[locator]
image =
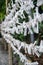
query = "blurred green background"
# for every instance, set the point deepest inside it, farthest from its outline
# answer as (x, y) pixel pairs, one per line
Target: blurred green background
(2, 9)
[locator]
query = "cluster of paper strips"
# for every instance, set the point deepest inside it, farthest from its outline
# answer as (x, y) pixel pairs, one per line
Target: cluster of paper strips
(11, 25)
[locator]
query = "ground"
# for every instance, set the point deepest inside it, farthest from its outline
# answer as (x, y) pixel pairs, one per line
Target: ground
(3, 56)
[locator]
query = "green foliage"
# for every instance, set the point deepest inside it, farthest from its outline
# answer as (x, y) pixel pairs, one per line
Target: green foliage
(34, 2)
(26, 19)
(26, 16)
(32, 12)
(18, 36)
(2, 9)
(2, 16)
(20, 19)
(41, 29)
(42, 7)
